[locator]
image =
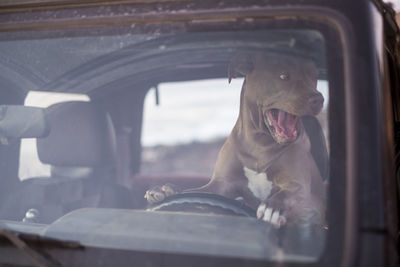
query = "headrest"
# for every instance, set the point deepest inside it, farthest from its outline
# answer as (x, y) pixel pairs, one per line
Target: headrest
(81, 135)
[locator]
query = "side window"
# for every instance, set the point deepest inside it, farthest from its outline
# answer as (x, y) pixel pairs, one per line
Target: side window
(184, 132)
(30, 165)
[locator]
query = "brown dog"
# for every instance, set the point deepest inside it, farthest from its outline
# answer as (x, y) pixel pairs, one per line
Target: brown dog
(266, 160)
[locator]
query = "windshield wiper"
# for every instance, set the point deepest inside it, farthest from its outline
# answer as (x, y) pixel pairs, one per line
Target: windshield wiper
(38, 258)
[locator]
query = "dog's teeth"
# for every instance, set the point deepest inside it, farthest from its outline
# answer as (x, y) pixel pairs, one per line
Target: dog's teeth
(269, 121)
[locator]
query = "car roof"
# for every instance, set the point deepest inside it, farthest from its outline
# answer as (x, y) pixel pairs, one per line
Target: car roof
(142, 59)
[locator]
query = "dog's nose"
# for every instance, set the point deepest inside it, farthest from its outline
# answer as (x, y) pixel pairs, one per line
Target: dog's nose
(315, 102)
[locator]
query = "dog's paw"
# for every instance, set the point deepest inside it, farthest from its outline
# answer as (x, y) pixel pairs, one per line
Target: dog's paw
(271, 215)
(159, 193)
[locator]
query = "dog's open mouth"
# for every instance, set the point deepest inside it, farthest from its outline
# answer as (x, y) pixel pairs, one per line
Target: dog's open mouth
(282, 125)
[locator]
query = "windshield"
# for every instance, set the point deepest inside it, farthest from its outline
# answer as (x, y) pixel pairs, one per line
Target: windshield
(208, 143)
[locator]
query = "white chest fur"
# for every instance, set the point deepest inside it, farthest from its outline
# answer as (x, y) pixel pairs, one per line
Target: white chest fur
(258, 183)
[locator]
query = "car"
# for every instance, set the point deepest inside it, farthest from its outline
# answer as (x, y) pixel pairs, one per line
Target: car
(104, 103)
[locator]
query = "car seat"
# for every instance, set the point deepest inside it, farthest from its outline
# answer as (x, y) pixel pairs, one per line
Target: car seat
(81, 151)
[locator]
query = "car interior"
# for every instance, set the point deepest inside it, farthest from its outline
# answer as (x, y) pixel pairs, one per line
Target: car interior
(93, 149)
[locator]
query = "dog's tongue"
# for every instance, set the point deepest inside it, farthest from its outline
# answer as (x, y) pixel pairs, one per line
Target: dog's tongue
(284, 123)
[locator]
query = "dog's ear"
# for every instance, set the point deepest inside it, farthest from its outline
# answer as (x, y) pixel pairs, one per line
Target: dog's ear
(240, 64)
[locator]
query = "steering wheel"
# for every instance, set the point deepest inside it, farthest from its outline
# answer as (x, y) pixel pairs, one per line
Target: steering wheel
(203, 203)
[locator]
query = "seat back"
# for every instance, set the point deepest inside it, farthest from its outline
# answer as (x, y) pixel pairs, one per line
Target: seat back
(81, 150)
(82, 135)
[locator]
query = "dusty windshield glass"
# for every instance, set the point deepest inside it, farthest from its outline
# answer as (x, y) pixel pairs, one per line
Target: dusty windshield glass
(208, 143)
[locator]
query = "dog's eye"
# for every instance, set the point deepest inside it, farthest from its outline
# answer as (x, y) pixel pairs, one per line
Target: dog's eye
(284, 76)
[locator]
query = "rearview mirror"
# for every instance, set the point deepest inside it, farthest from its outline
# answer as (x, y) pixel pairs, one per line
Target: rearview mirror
(22, 122)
